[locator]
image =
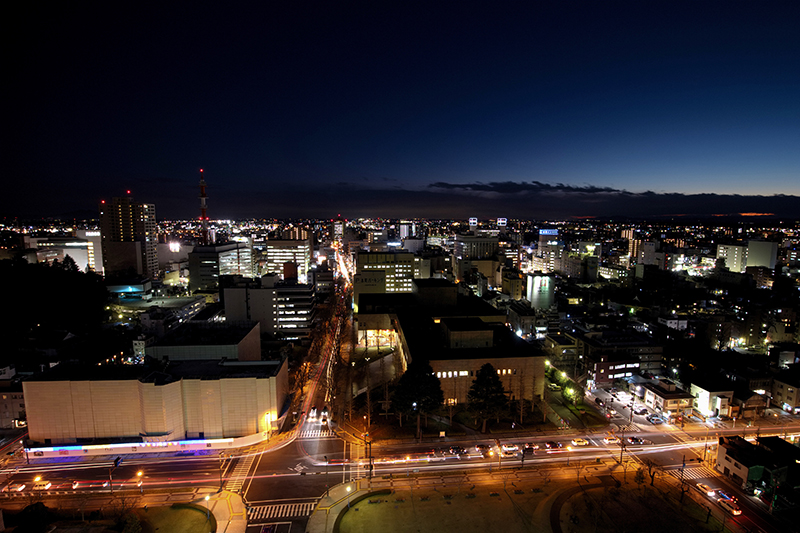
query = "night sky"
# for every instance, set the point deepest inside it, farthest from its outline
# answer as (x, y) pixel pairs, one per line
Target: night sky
(535, 110)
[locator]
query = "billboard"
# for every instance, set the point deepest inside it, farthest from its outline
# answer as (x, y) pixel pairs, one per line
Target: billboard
(473, 221)
(502, 222)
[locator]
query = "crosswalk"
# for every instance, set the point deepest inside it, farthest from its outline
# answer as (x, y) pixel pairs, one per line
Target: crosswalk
(239, 474)
(315, 434)
(628, 428)
(694, 472)
(283, 510)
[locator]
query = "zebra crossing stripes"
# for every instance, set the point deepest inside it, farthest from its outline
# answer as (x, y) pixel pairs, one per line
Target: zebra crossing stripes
(239, 474)
(628, 428)
(697, 472)
(315, 434)
(283, 510)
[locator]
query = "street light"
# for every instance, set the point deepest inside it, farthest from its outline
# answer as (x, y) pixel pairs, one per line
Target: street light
(208, 509)
(348, 496)
(139, 481)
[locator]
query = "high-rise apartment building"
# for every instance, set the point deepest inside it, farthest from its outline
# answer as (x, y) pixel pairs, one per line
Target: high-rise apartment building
(735, 256)
(128, 238)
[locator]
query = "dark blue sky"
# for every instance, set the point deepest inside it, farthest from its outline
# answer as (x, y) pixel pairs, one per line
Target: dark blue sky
(528, 110)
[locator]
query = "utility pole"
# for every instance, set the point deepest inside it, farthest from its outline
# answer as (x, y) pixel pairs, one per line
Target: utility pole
(326, 476)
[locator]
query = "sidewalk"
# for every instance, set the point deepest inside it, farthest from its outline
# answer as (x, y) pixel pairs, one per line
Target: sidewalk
(228, 509)
(334, 504)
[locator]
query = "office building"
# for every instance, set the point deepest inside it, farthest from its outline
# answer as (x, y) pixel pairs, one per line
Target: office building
(283, 309)
(208, 263)
(290, 259)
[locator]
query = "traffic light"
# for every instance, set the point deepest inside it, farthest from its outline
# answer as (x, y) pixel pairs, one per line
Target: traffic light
(117, 461)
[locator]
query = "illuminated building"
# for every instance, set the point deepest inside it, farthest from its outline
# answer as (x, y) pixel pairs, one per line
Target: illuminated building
(475, 246)
(283, 309)
(398, 267)
(735, 256)
(129, 238)
(276, 254)
(208, 263)
(155, 403)
(762, 254)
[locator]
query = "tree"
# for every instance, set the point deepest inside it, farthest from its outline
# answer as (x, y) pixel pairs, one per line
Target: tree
(639, 478)
(653, 469)
(69, 264)
(418, 391)
(487, 397)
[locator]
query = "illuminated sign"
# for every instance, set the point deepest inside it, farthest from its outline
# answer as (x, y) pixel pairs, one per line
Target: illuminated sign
(548, 232)
(473, 221)
(502, 221)
(174, 247)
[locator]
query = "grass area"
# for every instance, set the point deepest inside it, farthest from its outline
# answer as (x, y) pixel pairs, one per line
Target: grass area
(630, 509)
(587, 415)
(177, 519)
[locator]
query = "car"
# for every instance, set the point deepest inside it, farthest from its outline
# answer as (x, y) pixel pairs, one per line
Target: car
(554, 387)
(325, 411)
(635, 440)
(599, 402)
(484, 450)
(312, 414)
(727, 496)
(729, 506)
(640, 410)
(705, 489)
(612, 411)
(14, 487)
(457, 450)
(611, 440)
(551, 445)
(75, 485)
(532, 446)
(580, 442)
(508, 447)
(42, 485)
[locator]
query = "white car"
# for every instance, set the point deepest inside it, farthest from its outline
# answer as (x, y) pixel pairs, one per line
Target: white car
(510, 448)
(705, 489)
(729, 506)
(611, 440)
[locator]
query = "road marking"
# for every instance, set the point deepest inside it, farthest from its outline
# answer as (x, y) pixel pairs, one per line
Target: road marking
(239, 474)
(284, 510)
(315, 434)
(695, 472)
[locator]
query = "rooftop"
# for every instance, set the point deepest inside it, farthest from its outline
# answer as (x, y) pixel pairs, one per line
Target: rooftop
(208, 333)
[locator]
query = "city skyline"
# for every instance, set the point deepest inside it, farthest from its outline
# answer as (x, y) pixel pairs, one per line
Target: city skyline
(446, 111)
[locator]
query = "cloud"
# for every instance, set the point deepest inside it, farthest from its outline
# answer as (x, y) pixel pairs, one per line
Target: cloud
(529, 187)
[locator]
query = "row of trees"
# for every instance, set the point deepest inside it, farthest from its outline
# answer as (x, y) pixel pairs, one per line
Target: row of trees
(419, 392)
